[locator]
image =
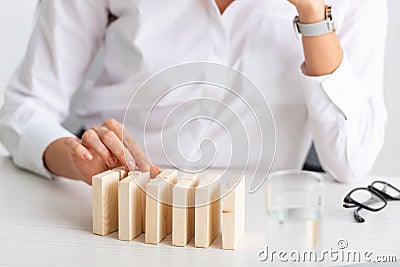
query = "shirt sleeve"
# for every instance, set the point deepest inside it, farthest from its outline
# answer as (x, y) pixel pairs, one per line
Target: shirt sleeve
(346, 109)
(65, 38)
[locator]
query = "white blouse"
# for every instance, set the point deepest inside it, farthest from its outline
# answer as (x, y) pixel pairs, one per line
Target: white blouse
(343, 113)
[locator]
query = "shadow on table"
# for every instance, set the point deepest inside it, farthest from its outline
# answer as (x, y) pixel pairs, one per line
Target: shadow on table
(59, 203)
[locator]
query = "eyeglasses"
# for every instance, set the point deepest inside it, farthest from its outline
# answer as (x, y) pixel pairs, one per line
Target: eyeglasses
(373, 198)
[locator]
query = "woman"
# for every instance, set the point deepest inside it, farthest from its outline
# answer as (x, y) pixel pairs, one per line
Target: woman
(327, 88)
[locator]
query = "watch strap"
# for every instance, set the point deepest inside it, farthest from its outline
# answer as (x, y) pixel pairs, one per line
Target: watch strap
(314, 29)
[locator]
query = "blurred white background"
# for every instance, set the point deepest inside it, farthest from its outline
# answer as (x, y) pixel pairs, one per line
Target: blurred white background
(16, 21)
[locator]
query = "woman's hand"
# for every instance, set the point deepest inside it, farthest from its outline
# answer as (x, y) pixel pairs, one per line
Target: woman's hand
(100, 149)
(310, 11)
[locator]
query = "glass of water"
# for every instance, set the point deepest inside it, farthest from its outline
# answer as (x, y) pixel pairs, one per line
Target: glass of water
(293, 206)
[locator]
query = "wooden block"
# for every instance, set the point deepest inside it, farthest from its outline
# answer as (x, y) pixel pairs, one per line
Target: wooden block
(105, 202)
(123, 173)
(207, 210)
(141, 182)
(233, 213)
(158, 208)
(183, 209)
(172, 177)
(132, 205)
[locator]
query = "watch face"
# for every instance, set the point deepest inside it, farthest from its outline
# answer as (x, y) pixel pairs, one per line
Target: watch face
(333, 13)
(331, 17)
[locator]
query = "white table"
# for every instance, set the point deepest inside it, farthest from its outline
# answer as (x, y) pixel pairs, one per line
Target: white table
(46, 223)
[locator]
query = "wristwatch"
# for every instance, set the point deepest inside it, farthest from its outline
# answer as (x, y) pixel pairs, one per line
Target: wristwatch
(319, 28)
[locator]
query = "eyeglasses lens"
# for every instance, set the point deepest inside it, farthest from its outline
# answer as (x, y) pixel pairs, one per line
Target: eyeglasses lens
(367, 198)
(388, 189)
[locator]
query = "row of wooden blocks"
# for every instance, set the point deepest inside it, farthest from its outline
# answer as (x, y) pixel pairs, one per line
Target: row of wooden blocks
(186, 207)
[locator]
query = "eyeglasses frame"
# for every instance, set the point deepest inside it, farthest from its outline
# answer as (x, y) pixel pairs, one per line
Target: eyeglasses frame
(381, 195)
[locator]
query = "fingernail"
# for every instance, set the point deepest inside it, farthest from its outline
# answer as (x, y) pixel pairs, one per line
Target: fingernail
(131, 165)
(87, 156)
(111, 161)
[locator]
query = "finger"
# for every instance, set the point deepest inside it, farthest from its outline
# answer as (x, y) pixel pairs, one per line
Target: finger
(75, 148)
(154, 171)
(91, 140)
(115, 126)
(114, 144)
(130, 143)
(156, 168)
(142, 162)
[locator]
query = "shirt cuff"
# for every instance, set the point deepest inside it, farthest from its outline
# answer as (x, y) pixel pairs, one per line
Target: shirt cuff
(37, 135)
(340, 88)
